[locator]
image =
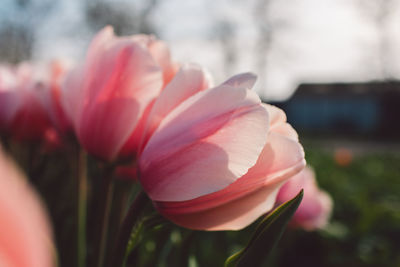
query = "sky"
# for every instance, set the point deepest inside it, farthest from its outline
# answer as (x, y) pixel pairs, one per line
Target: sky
(311, 40)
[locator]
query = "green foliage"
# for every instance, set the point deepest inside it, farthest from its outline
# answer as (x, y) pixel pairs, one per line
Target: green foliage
(365, 226)
(266, 236)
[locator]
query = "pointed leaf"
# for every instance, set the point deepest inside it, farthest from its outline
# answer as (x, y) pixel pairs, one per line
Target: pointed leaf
(144, 226)
(266, 236)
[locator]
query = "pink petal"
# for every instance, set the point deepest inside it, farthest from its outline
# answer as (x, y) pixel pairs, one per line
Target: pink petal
(116, 94)
(99, 43)
(54, 97)
(72, 94)
(278, 122)
(242, 202)
(243, 80)
(187, 82)
(131, 147)
(277, 115)
(25, 236)
(205, 144)
(161, 54)
(280, 153)
(233, 215)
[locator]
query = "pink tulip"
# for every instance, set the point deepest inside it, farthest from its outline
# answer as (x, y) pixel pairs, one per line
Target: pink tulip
(25, 236)
(108, 96)
(315, 209)
(22, 112)
(217, 161)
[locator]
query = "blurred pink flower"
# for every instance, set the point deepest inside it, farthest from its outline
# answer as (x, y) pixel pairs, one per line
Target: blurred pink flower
(107, 97)
(25, 236)
(22, 111)
(52, 101)
(217, 160)
(315, 209)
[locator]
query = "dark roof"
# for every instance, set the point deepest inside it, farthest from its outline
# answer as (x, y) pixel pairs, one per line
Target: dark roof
(367, 88)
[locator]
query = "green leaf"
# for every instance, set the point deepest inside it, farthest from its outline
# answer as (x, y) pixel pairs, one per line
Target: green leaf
(266, 236)
(143, 226)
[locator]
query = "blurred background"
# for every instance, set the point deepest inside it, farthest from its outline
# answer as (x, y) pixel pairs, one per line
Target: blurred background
(332, 65)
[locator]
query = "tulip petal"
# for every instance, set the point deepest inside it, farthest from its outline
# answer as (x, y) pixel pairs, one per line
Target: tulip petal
(278, 122)
(160, 52)
(100, 43)
(243, 80)
(25, 236)
(131, 147)
(189, 80)
(115, 105)
(239, 204)
(196, 149)
(280, 153)
(233, 215)
(72, 95)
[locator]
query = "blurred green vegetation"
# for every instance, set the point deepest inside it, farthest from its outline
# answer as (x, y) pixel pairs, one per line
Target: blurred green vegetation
(365, 224)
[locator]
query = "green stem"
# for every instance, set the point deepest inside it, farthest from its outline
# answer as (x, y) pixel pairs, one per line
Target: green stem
(82, 205)
(132, 217)
(122, 190)
(100, 238)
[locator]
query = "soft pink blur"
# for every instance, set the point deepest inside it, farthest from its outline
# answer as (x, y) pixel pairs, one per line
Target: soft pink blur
(23, 114)
(109, 95)
(315, 209)
(57, 71)
(25, 236)
(217, 161)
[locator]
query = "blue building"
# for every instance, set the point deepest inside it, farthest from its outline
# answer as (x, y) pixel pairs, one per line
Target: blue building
(346, 108)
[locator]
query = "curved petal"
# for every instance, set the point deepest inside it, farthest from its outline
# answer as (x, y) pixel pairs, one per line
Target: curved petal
(188, 81)
(233, 215)
(205, 144)
(131, 147)
(25, 236)
(280, 153)
(243, 80)
(278, 122)
(161, 53)
(100, 43)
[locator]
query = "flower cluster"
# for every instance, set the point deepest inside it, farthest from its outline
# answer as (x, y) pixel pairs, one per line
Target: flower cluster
(209, 157)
